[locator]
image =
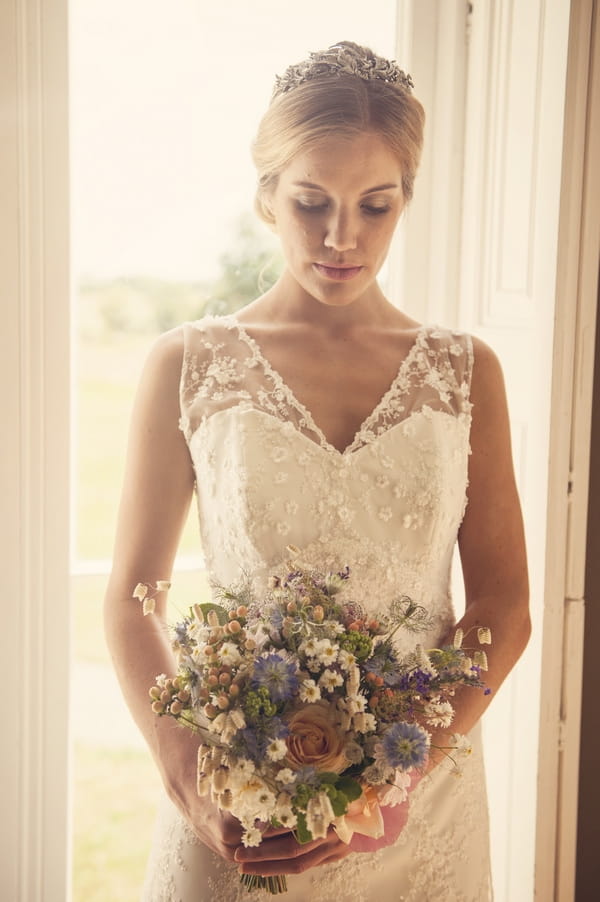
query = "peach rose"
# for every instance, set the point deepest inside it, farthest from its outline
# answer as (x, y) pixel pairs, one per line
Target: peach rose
(364, 817)
(315, 739)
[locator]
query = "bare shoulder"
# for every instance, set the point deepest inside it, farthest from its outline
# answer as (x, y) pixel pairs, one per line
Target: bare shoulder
(158, 388)
(487, 384)
(166, 352)
(490, 428)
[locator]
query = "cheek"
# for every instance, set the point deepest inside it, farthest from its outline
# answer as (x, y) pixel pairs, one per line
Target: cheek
(296, 238)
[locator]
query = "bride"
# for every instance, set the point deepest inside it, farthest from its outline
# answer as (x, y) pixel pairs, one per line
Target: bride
(322, 415)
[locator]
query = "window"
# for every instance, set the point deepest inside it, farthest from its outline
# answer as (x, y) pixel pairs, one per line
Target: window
(163, 110)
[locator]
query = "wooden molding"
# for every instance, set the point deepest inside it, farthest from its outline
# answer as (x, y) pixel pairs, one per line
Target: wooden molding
(34, 368)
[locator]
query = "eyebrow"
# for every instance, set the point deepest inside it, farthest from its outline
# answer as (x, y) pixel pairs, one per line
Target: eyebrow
(311, 185)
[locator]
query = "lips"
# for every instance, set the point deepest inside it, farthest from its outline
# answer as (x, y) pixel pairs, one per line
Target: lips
(338, 273)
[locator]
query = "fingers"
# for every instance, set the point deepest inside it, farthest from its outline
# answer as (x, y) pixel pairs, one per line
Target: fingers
(230, 829)
(287, 856)
(220, 831)
(277, 831)
(278, 849)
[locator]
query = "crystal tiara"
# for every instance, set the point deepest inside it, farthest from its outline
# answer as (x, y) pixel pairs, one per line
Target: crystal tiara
(344, 58)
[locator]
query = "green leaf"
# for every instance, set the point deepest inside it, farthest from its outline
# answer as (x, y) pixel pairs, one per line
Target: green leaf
(303, 834)
(339, 802)
(350, 788)
(327, 777)
(220, 611)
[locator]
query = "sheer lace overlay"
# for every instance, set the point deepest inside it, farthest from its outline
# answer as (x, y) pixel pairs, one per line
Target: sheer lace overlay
(390, 506)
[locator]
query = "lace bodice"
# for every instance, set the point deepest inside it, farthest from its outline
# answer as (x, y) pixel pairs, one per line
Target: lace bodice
(390, 506)
(224, 368)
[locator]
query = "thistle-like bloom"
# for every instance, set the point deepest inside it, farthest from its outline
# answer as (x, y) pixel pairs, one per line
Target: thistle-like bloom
(405, 745)
(277, 675)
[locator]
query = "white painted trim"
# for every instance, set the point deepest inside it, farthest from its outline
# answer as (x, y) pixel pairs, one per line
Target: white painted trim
(425, 260)
(519, 323)
(572, 390)
(34, 373)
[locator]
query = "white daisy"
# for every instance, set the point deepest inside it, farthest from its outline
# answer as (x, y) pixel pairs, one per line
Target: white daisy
(309, 691)
(330, 680)
(252, 837)
(346, 659)
(229, 653)
(285, 775)
(276, 750)
(286, 817)
(327, 651)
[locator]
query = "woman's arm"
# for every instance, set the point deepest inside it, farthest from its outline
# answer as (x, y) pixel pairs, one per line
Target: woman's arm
(157, 489)
(492, 545)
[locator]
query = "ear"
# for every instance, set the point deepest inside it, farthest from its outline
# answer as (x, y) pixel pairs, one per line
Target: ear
(264, 206)
(269, 214)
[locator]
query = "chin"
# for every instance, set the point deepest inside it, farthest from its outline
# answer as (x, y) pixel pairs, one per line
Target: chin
(336, 295)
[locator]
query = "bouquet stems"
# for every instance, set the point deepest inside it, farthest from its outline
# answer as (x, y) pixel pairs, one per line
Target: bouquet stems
(274, 885)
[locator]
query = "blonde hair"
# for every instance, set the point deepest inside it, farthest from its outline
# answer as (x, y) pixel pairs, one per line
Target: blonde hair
(340, 105)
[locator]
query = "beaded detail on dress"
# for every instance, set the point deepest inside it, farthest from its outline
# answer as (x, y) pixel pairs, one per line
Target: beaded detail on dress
(389, 506)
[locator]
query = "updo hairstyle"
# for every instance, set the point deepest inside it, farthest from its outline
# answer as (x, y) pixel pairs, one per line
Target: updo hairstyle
(336, 104)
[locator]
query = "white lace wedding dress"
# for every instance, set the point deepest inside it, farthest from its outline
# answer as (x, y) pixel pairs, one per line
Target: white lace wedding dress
(390, 507)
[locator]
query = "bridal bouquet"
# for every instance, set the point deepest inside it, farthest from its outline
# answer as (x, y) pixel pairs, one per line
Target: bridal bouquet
(308, 716)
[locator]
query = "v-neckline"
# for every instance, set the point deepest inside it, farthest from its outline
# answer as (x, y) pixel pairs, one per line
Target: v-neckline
(283, 386)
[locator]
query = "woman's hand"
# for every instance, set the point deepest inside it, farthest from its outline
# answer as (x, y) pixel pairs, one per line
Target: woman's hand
(177, 761)
(218, 830)
(394, 821)
(281, 853)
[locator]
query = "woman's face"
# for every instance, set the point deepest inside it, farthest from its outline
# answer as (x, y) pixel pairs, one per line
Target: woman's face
(336, 208)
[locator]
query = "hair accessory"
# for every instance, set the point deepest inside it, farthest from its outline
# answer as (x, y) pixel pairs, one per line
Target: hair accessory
(344, 58)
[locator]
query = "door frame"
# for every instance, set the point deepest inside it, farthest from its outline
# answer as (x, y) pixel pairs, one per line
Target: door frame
(34, 478)
(569, 462)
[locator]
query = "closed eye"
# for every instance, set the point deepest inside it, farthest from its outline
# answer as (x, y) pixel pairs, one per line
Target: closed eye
(375, 211)
(311, 208)
(319, 208)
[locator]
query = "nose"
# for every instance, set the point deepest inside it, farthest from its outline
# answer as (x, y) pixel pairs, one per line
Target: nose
(341, 233)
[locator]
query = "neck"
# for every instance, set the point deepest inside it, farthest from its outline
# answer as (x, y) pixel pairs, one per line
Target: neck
(287, 302)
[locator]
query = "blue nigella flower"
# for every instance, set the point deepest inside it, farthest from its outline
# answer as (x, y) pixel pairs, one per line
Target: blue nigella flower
(384, 663)
(405, 745)
(307, 774)
(277, 675)
(276, 618)
(252, 742)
